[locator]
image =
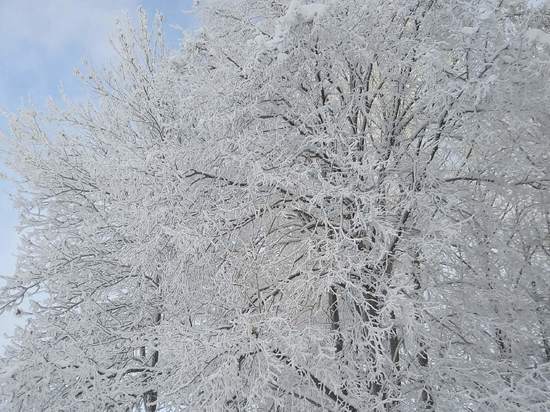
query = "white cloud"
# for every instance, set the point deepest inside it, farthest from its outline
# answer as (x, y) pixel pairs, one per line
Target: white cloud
(50, 27)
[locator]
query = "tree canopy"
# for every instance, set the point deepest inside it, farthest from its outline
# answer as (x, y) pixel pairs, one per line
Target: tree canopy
(330, 205)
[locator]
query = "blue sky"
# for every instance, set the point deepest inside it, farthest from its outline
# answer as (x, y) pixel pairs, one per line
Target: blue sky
(42, 42)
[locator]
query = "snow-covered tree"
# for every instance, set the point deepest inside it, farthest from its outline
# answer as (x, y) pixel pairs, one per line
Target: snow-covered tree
(332, 205)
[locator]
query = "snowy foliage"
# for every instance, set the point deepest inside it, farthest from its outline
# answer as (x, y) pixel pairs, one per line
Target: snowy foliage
(331, 205)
